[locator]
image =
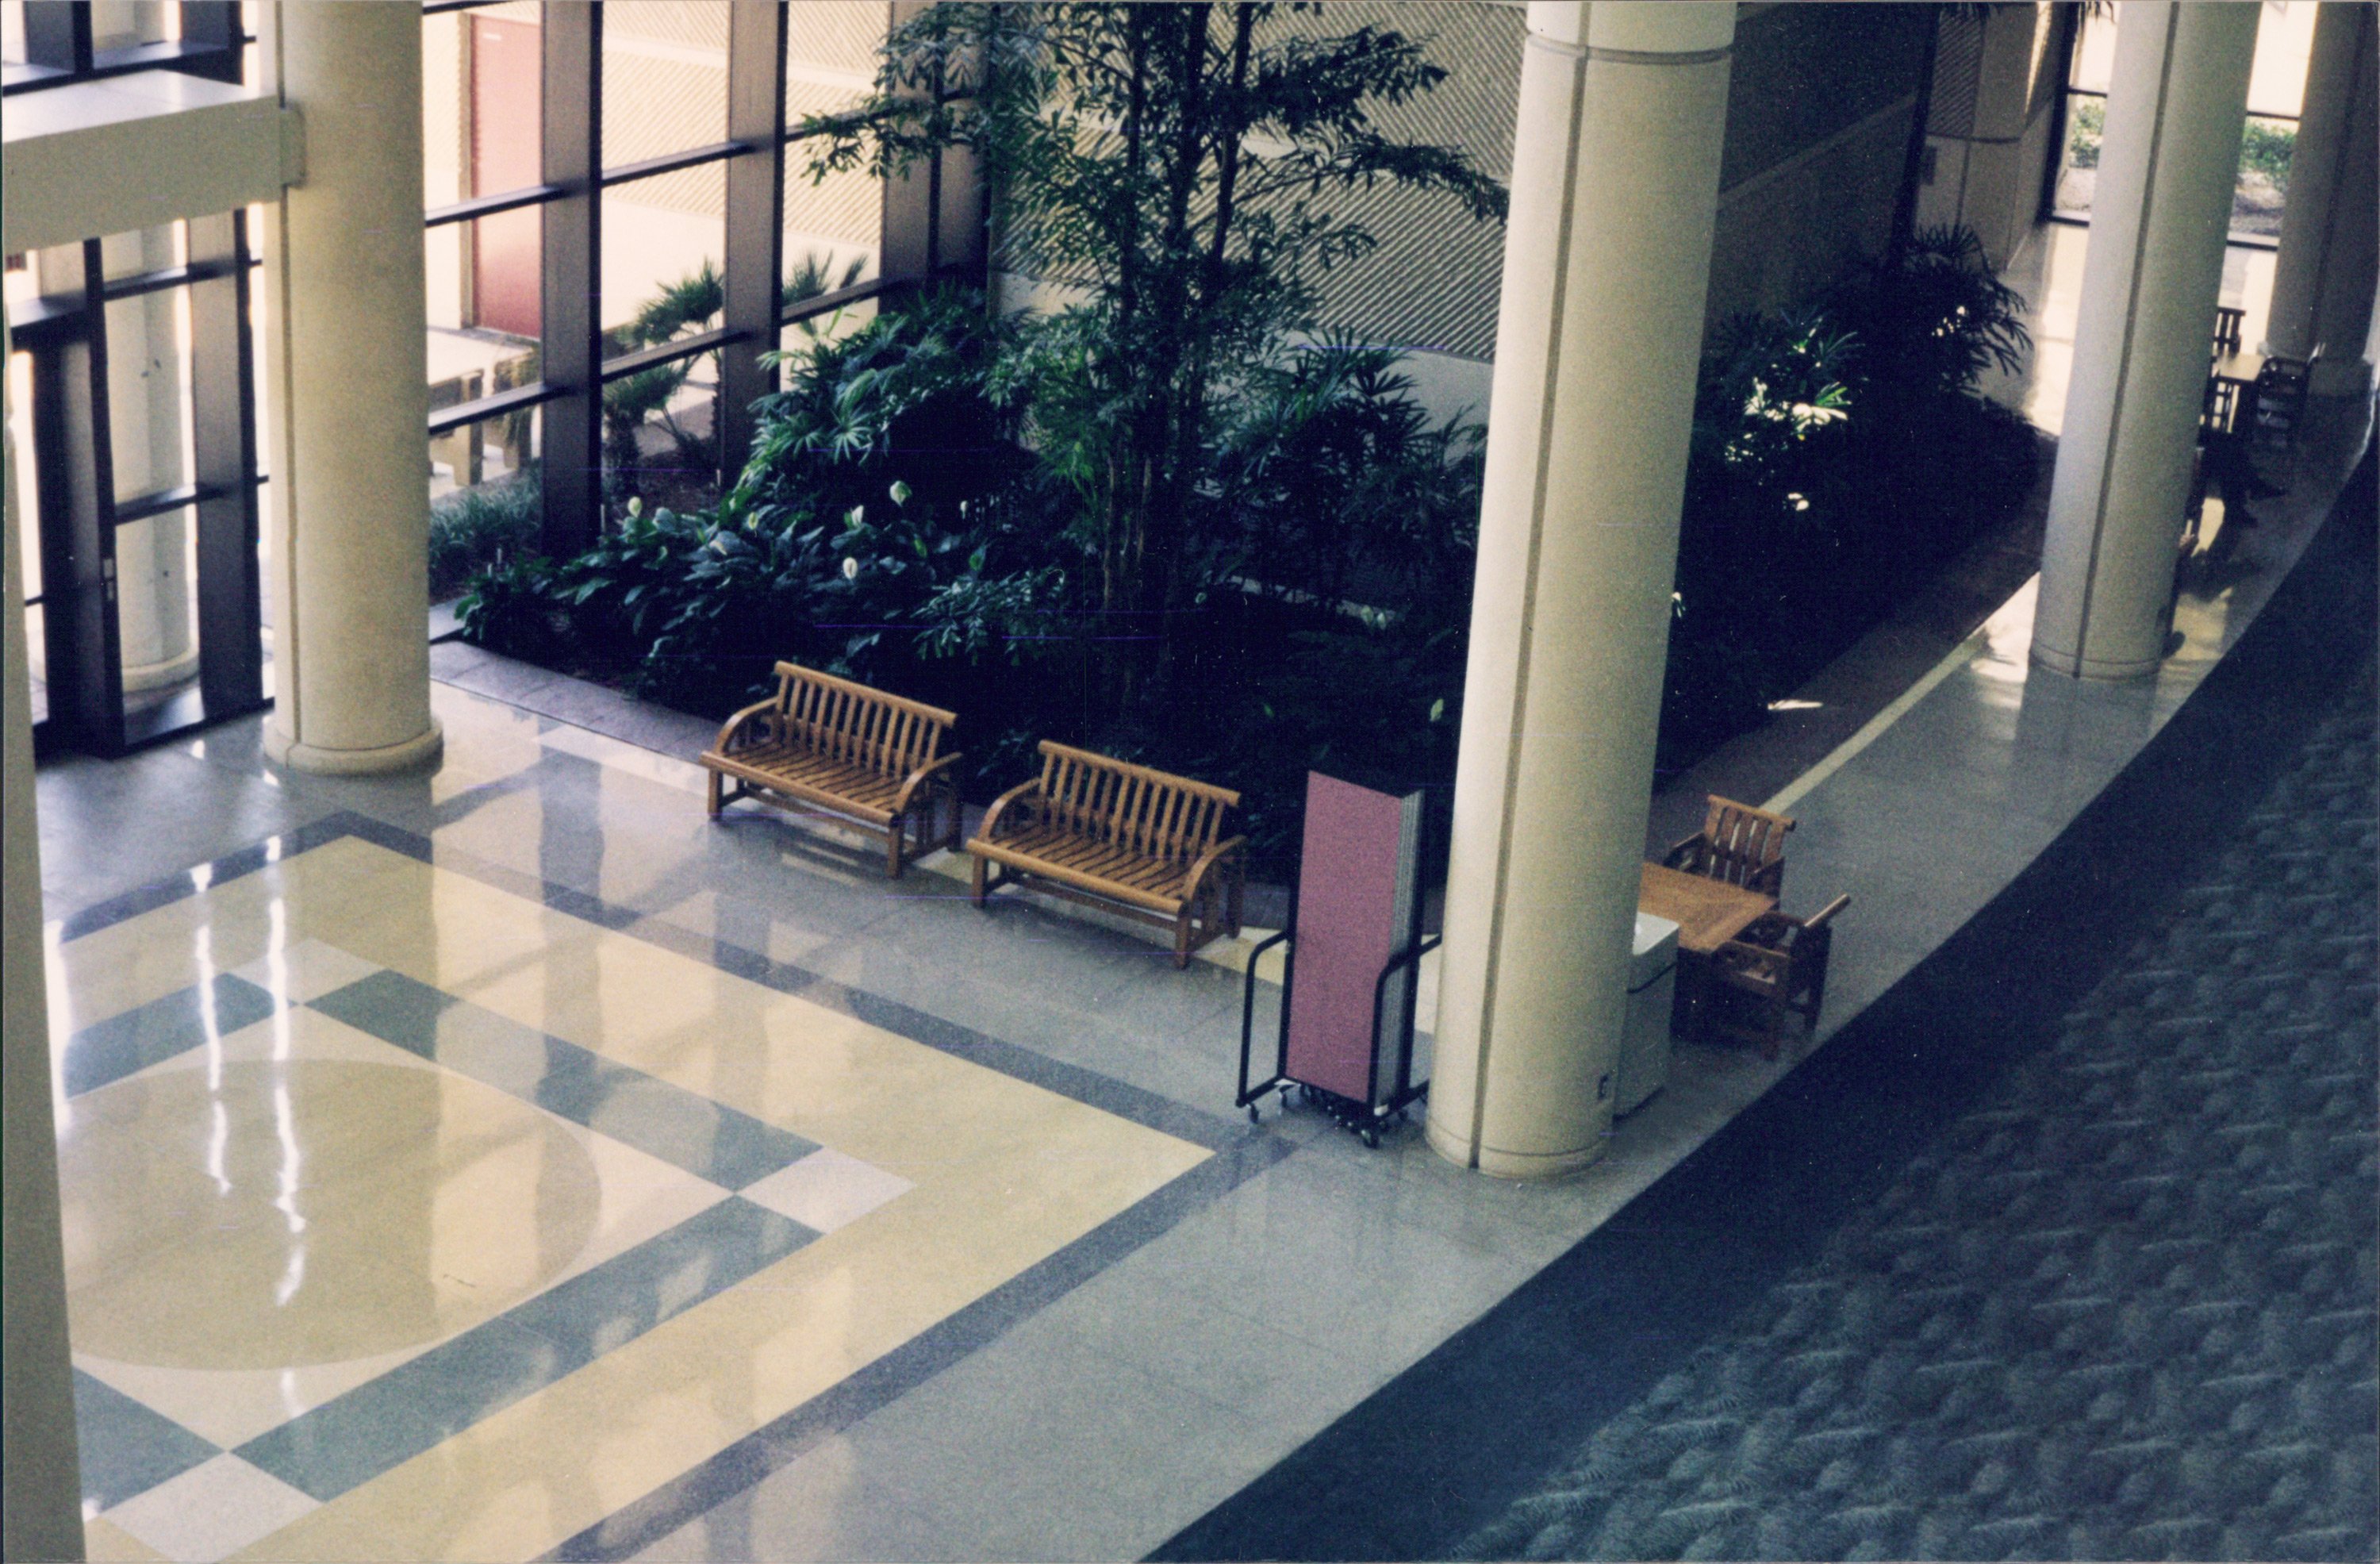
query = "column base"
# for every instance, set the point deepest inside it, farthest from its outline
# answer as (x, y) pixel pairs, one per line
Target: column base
(2094, 668)
(160, 676)
(1535, 1167)
(419, 750)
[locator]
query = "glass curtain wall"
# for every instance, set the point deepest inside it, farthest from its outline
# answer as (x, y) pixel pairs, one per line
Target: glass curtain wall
(2284, 36)
(621, 224)
(132, 412)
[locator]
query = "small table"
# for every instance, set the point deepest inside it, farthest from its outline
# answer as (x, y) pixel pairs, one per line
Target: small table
(1708, 912)
(2240, 367)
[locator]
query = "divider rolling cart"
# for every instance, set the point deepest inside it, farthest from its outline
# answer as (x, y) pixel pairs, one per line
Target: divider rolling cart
(1351, 976)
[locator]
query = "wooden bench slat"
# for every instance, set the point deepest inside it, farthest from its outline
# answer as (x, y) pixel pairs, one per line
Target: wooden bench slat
(837, 743)
(1123, 833)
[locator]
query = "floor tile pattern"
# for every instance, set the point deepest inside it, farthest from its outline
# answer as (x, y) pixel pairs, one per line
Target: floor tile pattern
(377, 1175)
(2122, 1309)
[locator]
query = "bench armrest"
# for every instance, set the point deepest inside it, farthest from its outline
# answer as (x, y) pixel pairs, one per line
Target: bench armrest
(733, 725)
(989, 830)
(1207, 862)
(917, 779)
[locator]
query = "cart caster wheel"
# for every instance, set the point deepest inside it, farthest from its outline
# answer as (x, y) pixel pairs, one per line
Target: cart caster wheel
(1253, 1116)
(1372, 1139)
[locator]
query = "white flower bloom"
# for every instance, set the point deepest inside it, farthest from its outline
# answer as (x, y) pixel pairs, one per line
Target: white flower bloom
(850, 569)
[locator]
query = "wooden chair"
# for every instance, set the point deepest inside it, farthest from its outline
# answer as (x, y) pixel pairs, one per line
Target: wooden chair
(1775, 967)
(2228, 321)
(1739, 844)
(871, 759)
(1126, 837)
(2280, 400)
(2219, 414)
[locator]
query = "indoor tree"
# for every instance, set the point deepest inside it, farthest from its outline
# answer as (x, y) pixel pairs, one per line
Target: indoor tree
(1185, 172)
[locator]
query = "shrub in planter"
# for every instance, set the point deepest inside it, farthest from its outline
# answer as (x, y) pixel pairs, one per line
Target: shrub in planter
(473, 528)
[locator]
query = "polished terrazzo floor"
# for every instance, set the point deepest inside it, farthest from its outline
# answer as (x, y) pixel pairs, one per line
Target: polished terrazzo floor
(408, 1216)
(506, 1161)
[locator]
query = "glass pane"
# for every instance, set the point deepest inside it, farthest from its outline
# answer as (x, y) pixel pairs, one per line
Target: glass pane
(2284, 38)
(2262, 192)
(500, 145)
(483, 282)
(486, 501)
(147, 250)
(662, 239)
(149, 391)
(21, 469)
(830, 54)
(2086, 123)
(157, 620)
(445, 122)
(37, 657)
(834, 227)
(661, 457)
(832, 326)
(664, 79)
(2094, 50)
(124, 24)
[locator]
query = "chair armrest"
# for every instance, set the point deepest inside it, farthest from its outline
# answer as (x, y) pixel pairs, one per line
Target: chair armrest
(989, 829)
(1207, 862)
(1683, 852)
(1759, 963)
(728, 730)
(917, 779)
(1768, 879)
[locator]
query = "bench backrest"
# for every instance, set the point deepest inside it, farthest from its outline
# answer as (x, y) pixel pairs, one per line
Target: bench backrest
(1741, 840)
(852, 723)
(1135, 807)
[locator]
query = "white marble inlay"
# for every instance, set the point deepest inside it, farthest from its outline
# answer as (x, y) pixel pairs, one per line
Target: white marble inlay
(305, 970)
(826, 1190)
(212, 1510)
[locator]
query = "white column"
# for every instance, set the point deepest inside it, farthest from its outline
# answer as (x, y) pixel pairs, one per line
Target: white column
(345, 352)
(2352, 263)
(40, 1486)
(1615, 184)
(2159, 218)
(146, 400)
(2342, 35)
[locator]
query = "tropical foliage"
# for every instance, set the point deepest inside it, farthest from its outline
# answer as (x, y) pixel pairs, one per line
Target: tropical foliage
(1178, 164)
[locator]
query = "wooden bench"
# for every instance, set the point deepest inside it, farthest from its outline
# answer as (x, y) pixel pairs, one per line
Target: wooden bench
(829, 744)
(1121, 836)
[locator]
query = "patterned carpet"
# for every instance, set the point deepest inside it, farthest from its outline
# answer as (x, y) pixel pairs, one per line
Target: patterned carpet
(2121, 1307)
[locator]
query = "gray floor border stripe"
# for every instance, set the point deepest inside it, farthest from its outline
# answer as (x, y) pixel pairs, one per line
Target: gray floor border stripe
(942, 1346)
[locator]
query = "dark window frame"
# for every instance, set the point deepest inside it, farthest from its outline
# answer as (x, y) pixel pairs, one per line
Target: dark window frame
(918, 243)
(60, 50)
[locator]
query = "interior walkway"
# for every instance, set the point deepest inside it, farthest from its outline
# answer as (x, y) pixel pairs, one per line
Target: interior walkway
(507, 1161)
(2120, 1307)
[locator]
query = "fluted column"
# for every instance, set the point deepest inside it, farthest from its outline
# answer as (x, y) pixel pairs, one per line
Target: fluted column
(345, 351)
(40, 1488)
(2317, 224)
(2159, 219)
(1615, 184)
